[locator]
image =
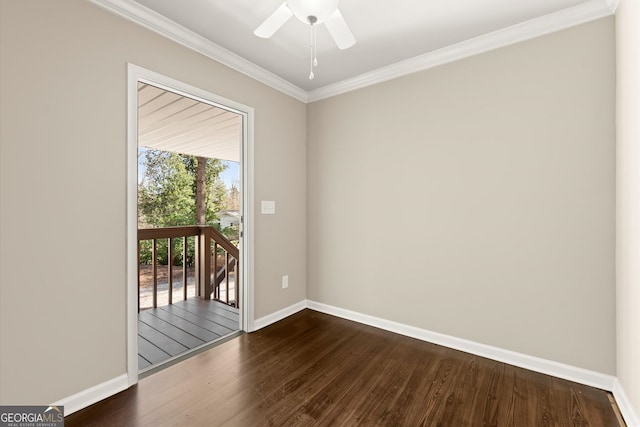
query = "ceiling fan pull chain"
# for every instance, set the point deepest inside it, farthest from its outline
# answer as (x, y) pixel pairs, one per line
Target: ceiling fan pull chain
(311, 75)
(315, 47)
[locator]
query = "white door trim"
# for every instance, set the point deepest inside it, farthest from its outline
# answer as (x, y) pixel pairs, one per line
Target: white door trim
(245, 287)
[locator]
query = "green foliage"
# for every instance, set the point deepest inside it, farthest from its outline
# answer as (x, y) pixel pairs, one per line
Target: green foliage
(166, 198)
(166, 193)
(146, 251)
(232, 233)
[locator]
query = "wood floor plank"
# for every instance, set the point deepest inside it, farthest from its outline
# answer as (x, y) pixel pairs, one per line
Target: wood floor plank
(312, 369)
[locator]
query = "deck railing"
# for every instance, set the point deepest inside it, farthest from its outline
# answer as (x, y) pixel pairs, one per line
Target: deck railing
(212, 254)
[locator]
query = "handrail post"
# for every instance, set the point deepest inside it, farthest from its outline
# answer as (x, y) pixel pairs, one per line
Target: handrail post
(205, 264)
(197, 262)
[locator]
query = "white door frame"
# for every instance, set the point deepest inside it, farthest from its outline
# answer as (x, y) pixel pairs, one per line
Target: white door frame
(245, 287)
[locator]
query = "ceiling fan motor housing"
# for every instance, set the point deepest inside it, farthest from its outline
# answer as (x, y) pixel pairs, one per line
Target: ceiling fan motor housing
(320, 9)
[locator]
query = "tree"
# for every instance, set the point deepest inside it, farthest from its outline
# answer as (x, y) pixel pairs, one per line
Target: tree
(165, 194)
(215, 190)
(174, 190)
(232, 200)
(169, 188)
(201, 191)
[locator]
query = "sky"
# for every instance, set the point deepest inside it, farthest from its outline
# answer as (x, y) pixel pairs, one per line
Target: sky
(231, 175)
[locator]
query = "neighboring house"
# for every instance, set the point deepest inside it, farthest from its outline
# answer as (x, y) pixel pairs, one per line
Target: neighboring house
(229, 219)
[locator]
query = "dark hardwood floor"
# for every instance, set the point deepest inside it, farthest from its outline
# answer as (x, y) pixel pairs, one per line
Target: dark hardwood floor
(315, 369)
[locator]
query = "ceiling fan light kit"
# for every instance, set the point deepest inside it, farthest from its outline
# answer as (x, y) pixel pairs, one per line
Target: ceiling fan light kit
(310, 12)
(302, 9)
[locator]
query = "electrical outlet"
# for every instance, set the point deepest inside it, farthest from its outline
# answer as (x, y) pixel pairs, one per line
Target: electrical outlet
(285, 282)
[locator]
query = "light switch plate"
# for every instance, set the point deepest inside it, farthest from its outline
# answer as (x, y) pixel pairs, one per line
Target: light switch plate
(268, 207)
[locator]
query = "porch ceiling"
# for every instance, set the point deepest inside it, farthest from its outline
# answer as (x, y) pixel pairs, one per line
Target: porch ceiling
(171, 122)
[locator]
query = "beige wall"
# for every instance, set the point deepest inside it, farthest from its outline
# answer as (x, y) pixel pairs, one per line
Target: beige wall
(63, 184)
(628, 200)
(476, 199)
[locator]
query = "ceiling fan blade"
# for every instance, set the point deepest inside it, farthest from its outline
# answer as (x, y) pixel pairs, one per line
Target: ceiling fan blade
(274, 22)
(339, 30)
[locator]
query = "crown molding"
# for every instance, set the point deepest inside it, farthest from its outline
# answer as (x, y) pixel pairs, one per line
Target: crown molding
(613, 5)
(537, 27)
(153, 21)
(566, 18)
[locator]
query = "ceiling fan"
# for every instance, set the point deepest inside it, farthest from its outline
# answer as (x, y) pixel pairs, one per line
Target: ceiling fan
(312, 13)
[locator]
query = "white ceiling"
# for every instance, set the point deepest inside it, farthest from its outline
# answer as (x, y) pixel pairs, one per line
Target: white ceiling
(171, 122)
(393, 37)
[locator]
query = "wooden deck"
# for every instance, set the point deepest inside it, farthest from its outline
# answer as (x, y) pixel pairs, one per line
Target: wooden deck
(171, 330)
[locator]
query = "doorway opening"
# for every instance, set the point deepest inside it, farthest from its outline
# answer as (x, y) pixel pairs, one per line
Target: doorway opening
(188, 248)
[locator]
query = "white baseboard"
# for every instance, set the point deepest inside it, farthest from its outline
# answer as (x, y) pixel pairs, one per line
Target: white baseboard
(626, 408)
(549, 367)
(109, 388)
(583, 376)
(278, 315)
(94, 394)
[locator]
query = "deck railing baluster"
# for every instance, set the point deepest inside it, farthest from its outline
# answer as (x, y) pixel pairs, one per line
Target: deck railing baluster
(236, 278)
(154, 263)
(208, 243)
(226, 276)
(139, 276)
(184, 267)
(170, 268)
(215, 264)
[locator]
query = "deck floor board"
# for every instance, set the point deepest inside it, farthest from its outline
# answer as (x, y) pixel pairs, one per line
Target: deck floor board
(185, 338)
(219, 309)
(212, 314)
(187, 326)
(160, 340)
(150, 352)
(215, 324)
(143, 363)
(169, 331)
